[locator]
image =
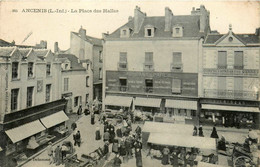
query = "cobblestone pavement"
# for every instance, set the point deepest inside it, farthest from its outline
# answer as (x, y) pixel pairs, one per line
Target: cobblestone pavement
(89, 144)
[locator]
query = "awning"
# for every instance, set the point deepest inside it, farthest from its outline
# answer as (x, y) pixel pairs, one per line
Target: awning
(205, 164)
(230, 108)
(161, 127)
(21, 132)
(147, 102)
(181, 104)
(54, 119)
(123, 101)
(189, 141)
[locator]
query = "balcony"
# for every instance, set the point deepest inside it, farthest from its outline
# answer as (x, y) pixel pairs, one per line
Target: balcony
(237, 71)
(176, 67)
(148, 66)
(231, 94)
(122, 66)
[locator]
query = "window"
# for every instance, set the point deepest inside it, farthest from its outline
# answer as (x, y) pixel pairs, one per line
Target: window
(48, 93)
(100, 56)
(221, 83)
(176, 86)
(124, 32)
(176, 62)
(66, 84)
(100, 73)
(48, 69)
(149, 32)
(238, 86)
(15, 70)
(29, 96)
(238, 63)
(87, 98)
(148, 64)
(148, 85)
(30, 69)
(122, 65)
(222, 59)
(177, 30)
(87, 81)
(123, 84)
(87, 67)
(76, 101)
(14, 99)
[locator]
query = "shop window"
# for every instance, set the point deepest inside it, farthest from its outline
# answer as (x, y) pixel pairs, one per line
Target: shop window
(48, 93)
(222, 59)
(238, 60)
(148, 85)
(14, 99)
(48, 69)
(66, 84)
(122, 64)
(29, 100)
(176, 86)
(15, 70)
(30, 69)
(123, 84)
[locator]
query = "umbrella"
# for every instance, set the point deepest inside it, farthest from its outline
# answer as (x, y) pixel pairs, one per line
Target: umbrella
(253, 135)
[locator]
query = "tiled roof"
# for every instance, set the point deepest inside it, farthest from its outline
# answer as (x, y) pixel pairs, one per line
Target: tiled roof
(190, 24)
(40, 52)
(245, 38)
(4, 43)
(75, 65)
(24, 52)
(6, 51)
(93, 40)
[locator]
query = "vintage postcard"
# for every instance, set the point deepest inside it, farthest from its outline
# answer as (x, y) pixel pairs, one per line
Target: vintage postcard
(125, 83)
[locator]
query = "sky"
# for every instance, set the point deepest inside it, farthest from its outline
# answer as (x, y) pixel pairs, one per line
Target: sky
(17, 25)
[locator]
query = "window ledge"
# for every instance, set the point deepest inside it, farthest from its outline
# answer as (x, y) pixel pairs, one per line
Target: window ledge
(16, 79)
(31, 78)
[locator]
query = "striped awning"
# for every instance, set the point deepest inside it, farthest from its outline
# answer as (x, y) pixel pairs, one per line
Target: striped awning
(230, 108)
(181, 104)
(54, 119)
(147, 102)
(123, 101)
(22, 132)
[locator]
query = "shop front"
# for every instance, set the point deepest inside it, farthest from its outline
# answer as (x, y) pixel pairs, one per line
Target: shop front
(230, 116)
(183, 111)
(27, 131)
(114, 102)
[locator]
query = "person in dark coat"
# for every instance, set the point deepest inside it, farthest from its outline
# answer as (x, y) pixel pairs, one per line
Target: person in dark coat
(122, 149)
(106, 150)
(58, 155)
(105, 126)
(115, 147)
(174, 159)
(119, 132)
(73, 126)
(78, 138)
(201, 131)
(92, 118)
(222, 144)
(195, 131)
(214, 133)
(117, 161)
(138, 157)
(79, 112)
(111, 132)
(98, 135)
(165, 156)
(138, 145)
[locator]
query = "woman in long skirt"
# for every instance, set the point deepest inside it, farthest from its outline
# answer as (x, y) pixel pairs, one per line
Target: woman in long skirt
(98, 136)
(138, 157)
(92, 118)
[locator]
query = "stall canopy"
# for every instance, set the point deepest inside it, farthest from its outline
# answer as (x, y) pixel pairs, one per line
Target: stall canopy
(123, 101)
(183, 141)
(160, 127)
(54, 119)
(181, 104)
(147, 102)
(204, 164)
(21, 132)
(229, 108)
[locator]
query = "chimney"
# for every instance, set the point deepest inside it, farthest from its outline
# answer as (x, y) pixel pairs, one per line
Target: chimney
(138, 19)
(82, 33)
(168, 19)
(204, 19)
(56, 47)
(130, 18)
(43, 44)
(257, 32)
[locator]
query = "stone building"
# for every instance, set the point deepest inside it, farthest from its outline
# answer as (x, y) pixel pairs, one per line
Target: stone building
(231, 79)
(152, 63)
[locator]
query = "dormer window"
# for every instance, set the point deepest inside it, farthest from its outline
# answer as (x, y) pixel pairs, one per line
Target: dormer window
(65, 65)
(177, 31)
(125, 32)
(149, 31)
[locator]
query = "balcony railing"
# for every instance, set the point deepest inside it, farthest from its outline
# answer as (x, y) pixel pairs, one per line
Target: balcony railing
(231, 94)
(231, 72)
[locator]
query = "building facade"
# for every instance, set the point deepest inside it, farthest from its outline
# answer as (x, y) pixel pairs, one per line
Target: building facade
(231, 79)
(31, 108)
(153, 63)
(89, 50)
(76, 82)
